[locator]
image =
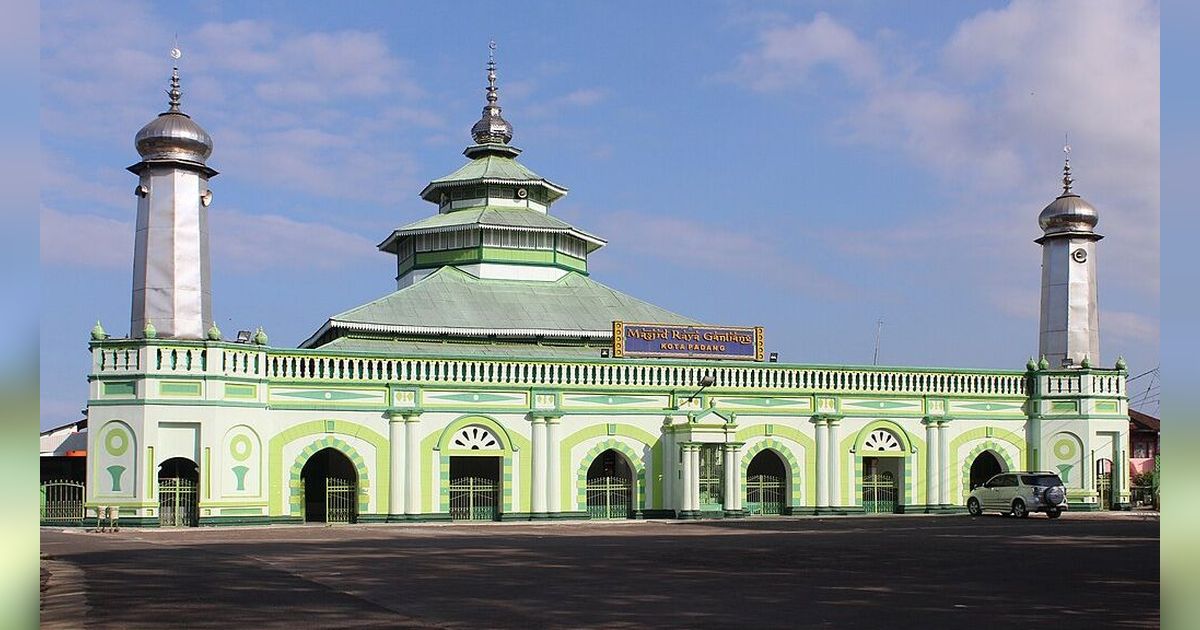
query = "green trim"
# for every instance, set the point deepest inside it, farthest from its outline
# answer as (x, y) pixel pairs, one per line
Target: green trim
(180, 388)
(612, 430)
(795, 498)
(120, 388)
(989, 432)
(635, 461)
(795, 435)
(296, 481)
(319, 427)
(987, 445)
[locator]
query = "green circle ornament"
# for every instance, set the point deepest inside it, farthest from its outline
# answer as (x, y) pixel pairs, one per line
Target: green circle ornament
(116, 443)
(1064, 449)
(240, 447)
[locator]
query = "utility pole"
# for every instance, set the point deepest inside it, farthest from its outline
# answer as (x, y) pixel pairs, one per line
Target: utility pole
(878, 331)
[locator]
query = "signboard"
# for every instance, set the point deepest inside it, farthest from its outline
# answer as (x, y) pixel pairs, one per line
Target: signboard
(687, 342)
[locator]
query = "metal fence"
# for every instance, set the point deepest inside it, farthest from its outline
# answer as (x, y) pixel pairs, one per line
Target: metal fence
(879, 493)
(62, 502)
(609, 497)
(341, 499)
(1104, 490)
(764, 494)
(178, 502)
(474, 499)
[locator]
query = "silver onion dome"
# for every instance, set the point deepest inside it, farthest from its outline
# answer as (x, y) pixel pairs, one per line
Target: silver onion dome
(173, 135)
(1069, 212)
(491, 127)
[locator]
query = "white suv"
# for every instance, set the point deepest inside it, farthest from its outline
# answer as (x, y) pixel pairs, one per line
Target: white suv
(1019, 494)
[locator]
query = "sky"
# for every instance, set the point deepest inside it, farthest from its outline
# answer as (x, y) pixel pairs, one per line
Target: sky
(809, 167)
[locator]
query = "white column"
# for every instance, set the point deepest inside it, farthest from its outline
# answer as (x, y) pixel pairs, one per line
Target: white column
(739, 496)
(685, 494)
(731, 478)
(412, 462)
(822, 463)
(396, 465)
(537, 483)
(554, 467)
(931, 463)
(944, 462)
(835, 463)
(694, 486)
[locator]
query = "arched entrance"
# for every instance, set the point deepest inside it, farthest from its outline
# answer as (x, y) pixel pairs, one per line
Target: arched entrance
(178, 493)
(765, 483)
(881, 484)
(1104, 485)
(330, 484)
(610, 486)
(985, 466)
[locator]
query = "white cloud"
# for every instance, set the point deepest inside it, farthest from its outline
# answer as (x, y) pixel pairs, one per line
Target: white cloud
(1133, 328)
(246, 242)
(711, 248)
(786, 55)
(987, 113)
(285, 107)
(85, 240)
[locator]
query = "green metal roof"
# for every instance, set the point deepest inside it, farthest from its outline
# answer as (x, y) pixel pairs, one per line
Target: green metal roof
(425, 347)
(451, 303)
(492, 168)
(491, 216)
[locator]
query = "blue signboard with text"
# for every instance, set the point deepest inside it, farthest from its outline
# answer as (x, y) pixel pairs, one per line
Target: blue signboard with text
(687, 342)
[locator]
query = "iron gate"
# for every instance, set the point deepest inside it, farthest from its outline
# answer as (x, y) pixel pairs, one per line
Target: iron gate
(609, 497)
(764, 494)
(62, 502)
(178, 500)
(341, 500)
(474, 499)
(1104, 490)
(879, 493)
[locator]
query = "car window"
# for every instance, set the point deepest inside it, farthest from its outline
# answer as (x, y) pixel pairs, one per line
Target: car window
(1042, 481)
(1006, 481)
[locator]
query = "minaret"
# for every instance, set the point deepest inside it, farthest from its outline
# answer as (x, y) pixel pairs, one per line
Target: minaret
(1070, 324)
(171, 292)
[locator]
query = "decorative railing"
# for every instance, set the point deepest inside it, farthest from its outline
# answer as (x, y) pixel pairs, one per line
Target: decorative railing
(237, 360)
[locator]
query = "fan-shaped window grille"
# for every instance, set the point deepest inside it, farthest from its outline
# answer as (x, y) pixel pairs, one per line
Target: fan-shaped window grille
(475, 438)
(881, 440)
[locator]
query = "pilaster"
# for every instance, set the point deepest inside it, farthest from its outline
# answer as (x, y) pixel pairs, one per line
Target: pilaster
(537, 485)
(412, 464)
(553, 464)
(822, 439)
(932, 467)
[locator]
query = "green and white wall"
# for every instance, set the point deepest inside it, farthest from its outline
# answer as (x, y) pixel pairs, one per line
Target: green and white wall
(249, 416)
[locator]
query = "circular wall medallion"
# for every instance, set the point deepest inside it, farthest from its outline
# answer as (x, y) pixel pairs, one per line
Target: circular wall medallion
(240, 447)
(1079, 255)
(1065, 448)
(116, 442)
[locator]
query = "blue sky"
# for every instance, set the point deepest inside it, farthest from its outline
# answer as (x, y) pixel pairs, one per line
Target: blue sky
(807, 167)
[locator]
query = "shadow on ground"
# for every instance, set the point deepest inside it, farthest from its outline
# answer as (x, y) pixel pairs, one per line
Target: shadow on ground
(926, 572)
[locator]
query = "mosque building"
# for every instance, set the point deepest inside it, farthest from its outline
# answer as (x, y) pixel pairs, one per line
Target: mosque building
(501, 381)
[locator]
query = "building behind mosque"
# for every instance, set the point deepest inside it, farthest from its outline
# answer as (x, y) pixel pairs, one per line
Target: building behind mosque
(501, 381)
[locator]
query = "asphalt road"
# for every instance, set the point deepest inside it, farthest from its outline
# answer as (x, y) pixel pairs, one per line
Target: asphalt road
(943, 572)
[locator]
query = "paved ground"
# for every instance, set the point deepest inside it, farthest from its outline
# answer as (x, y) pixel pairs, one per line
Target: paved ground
(948, 571)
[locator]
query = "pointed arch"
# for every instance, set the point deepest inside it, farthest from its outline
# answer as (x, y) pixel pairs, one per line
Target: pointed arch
(295, 483)
(635, 462)
(792, 467)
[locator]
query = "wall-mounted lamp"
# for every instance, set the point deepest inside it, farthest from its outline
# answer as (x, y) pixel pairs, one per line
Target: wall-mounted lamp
(604, 352)
(243, 336)
(773, 357)
(705, 381)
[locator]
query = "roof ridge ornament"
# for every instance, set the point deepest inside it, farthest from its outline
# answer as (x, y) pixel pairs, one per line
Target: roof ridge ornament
(491, 127)
(175, 93)
(1066, 180)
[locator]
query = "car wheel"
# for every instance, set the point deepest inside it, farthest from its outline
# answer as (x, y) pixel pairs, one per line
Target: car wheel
(973, 507)
(1053, 513)
(1019, 510)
